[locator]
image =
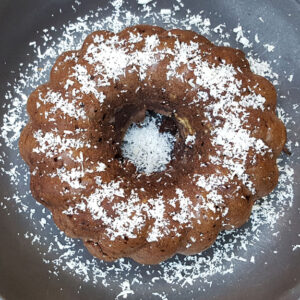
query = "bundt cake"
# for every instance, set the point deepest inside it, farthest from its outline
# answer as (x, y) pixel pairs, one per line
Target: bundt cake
(224, 158)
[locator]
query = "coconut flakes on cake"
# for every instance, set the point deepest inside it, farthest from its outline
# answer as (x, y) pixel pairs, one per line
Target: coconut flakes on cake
(69, 256)
(52, 144)
(111, 59)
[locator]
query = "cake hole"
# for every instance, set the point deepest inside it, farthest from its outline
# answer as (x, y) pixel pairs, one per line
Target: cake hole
(144, 145)
(118, 156)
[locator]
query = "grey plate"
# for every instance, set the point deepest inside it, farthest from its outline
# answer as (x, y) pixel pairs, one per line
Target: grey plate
(23, 275)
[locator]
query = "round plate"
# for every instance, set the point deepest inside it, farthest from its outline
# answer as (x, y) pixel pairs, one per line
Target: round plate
(276, 271)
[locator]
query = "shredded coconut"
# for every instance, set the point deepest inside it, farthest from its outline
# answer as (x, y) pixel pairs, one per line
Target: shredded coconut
(147, 148)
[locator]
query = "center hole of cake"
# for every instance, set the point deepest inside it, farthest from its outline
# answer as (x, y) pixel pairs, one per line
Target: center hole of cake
(149, 144)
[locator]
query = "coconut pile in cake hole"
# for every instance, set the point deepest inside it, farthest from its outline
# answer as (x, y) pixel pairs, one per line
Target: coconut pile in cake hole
(69, 255)
(147, 148)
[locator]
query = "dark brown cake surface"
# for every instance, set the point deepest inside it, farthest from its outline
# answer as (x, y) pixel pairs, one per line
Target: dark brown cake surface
(227, 141)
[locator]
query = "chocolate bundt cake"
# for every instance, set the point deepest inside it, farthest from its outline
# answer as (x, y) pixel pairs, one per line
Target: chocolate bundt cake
(224, 158)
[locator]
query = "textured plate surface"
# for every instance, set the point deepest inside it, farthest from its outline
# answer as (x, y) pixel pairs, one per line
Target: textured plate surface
(23, 275)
